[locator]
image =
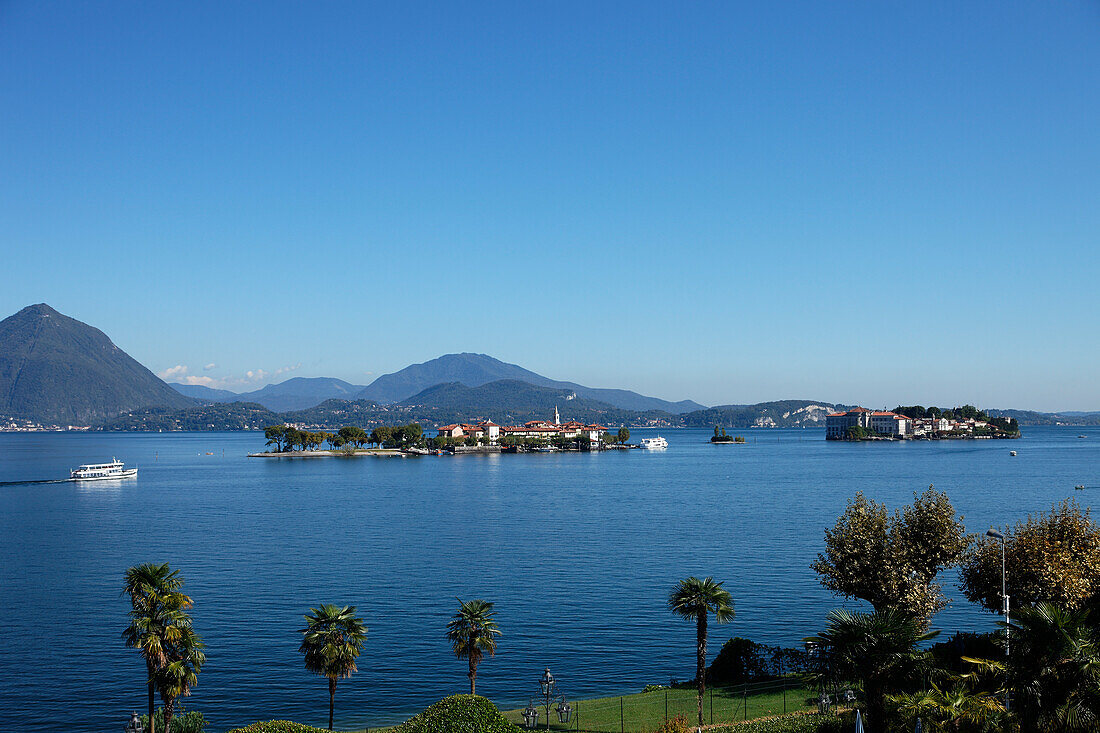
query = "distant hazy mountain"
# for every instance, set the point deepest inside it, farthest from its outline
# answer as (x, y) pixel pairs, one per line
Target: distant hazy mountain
(205, 394)
(780, 414)
(505, 396)
(296, 393)
(510, 401)
(474, 370)
(299, 393)
(1029, 417)
(55, 369)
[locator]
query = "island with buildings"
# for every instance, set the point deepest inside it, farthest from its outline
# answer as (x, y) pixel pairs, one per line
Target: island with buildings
(532, 435)
(918, 423)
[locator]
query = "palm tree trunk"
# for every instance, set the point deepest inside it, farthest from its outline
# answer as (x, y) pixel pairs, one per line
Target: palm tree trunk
(331, 699)
(168, 709)
(472, 674)
(701, 659)
(151, 729)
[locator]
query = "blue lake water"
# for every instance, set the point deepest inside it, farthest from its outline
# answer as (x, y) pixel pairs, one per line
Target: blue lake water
(578, 551)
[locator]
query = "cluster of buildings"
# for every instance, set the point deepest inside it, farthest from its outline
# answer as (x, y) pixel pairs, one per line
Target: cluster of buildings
(837, 424)
(543, 429)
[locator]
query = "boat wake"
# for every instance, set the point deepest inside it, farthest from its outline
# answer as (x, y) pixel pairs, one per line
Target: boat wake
(42, 481)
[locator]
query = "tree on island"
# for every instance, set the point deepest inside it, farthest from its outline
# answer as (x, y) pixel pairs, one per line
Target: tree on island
(473, 631)
(694, 599)
(353, 434)
(331, 642)
(891, 561)
(276, 436)
(1050, 558)
(624, 435)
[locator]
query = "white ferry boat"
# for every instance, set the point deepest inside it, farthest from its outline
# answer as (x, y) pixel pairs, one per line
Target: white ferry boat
(657, 443)
(102, 471)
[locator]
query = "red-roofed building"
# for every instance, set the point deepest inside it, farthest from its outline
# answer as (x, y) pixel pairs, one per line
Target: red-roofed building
(837, 424)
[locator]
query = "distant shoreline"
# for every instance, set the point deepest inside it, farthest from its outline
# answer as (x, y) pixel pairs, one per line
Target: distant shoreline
(376, 452)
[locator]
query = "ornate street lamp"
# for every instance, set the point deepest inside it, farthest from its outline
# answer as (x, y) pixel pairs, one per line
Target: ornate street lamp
(531, 715)
(548, 693)
(546, 683)
(134, 726)
(1004, 603)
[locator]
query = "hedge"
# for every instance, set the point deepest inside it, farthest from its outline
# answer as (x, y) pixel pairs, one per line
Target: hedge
(459, 714)
(794, 723)
(278, 726)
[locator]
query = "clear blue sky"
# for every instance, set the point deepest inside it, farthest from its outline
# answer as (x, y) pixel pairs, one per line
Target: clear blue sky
(874, 202)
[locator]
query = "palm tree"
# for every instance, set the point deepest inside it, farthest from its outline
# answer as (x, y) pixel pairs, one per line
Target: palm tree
(880, 650)
(473, 631)
(176, 678)
(1054, 669)
(155, 605)
(331, 641)
(695, 599)
(958, 709)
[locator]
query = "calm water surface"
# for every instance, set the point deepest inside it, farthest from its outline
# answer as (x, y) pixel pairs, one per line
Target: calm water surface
(578, 551)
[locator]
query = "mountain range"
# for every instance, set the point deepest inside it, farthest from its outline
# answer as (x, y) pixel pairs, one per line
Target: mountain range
(56, 370)
(474, 370)
(470, 370)
(296, 393)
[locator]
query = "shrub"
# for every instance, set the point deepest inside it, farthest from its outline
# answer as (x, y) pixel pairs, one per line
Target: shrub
(459, 714)
(278, 726)
(678, 724)
(190, 721)
(740, 660)
(795, 723)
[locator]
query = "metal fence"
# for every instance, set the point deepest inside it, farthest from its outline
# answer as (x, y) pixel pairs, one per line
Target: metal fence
(646, 712)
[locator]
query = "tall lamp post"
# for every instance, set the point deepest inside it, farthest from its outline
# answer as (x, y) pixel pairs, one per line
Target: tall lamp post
(1004, 600)
(548, 691)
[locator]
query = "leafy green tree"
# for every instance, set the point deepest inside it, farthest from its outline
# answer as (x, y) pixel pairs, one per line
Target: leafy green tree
(353, 434)
(880, 650)
(381, 435)
(276, 435)
(694, 599)
(294, 438)
(473, 631)
(331, 642)
(891, 561)
(1050, 558)
(624, 435)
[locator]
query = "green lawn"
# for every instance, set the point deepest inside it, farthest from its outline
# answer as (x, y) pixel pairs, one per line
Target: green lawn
(646, 711)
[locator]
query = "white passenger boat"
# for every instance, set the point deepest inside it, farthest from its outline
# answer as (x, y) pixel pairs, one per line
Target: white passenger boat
(102, 471)
(657, 443)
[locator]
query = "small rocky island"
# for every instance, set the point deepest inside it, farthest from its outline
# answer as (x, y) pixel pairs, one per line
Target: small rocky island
(720, 436)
